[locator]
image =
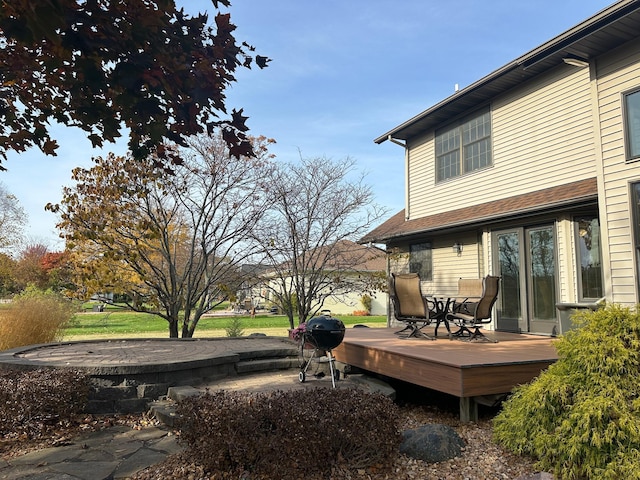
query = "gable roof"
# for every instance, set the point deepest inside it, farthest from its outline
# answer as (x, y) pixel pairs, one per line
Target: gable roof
(345, 256)
(359, 258)
(606, 30)
(580, 192)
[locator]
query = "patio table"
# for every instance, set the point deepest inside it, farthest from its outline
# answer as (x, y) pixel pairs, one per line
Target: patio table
(442, 305)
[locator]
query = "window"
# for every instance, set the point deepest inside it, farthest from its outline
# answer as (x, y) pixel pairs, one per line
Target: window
(635, 206)
(589, 257)
(632, 124)
(464, 148)
(420, 260)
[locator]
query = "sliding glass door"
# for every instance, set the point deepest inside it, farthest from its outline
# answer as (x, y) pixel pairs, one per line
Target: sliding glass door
(525, 258)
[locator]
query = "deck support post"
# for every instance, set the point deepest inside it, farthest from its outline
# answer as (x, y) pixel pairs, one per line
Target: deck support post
(468, 410)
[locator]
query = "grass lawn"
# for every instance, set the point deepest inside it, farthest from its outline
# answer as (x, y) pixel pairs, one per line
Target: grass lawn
(122, 323)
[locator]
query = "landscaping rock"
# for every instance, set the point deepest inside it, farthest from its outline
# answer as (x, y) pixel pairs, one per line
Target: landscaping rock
(538, 476)
(432, 443)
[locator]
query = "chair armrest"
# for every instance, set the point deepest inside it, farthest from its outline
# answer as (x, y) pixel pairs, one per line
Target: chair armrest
(467, 307)
(396, 305)
(433, 303)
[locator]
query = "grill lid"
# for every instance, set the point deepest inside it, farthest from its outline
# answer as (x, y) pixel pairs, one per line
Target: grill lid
(328, 332)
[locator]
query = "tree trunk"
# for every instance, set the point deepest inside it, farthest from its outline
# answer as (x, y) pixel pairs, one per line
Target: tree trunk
(186, 331)
(190, 328)
(173, 328)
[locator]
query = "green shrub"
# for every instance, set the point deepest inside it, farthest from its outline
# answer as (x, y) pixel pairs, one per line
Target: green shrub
(581, 417)
(234, 328)
(293, 434)
(34, 317)
(31, 402)
(367, 302)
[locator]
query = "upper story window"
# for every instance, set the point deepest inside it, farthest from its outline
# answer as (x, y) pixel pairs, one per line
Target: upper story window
(464, 147)
(632, 124)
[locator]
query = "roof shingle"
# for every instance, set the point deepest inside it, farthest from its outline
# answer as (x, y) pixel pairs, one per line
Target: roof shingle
(397, 226)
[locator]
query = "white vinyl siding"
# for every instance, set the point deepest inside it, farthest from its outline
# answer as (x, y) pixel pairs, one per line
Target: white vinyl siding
(421, 174)
(618, 73)
(567, 286)
(448, 267)
(542, 136)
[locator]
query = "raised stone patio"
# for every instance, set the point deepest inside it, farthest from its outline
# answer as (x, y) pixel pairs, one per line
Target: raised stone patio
(128, 374)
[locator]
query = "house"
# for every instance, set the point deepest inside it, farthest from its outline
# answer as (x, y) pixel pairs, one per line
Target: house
(366, 271)
(341, 274)
(531, 173)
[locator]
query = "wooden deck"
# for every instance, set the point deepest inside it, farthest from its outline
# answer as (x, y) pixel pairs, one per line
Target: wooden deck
(464, 369)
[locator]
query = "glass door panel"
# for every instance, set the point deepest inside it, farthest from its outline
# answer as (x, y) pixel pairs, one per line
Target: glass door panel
(541, 265)
(509, 263)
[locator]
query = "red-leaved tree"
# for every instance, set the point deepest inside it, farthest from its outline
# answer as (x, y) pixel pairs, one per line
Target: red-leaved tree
(106, 65)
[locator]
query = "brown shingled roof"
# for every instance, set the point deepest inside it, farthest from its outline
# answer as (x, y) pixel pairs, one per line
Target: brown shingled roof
(570, 193)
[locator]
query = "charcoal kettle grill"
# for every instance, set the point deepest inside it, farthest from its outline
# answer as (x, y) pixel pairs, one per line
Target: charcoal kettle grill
(322, 334)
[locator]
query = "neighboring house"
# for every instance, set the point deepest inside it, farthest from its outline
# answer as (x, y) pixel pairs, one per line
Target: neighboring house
(372, 264)
(531, 173)
(348, 271)
(250, 294)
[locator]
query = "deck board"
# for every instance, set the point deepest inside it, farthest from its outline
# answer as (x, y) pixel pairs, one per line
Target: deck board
(463, 369)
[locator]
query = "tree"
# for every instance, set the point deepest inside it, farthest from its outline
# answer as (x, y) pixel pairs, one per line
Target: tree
(8, 283)
(173, 241)
(29, 267)
(35, 265)
(57, 268)
(12, 220)
(317, 210)
(105, 65)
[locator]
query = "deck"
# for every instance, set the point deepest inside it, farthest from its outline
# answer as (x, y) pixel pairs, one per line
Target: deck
(463, 369)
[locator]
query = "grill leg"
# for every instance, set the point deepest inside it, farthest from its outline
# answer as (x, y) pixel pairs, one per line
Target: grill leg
(331, 367)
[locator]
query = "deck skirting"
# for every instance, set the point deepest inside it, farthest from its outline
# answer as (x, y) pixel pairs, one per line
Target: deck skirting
(463, 369)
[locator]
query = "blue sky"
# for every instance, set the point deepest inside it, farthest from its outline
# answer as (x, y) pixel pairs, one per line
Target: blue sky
(342, 73)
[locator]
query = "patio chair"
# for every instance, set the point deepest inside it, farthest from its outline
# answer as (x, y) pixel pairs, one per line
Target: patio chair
(470, 317)
(410, 306)
(468, 296)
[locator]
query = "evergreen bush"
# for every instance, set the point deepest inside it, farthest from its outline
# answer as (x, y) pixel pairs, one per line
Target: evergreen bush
(234, 328)
(581, 417)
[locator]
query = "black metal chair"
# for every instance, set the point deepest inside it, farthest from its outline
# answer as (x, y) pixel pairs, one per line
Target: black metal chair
(470, 317)
(410, 306)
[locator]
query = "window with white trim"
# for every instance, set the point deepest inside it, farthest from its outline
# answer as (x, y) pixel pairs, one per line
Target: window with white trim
(420, 260)
(464, 147)
(632, 124)
(589, 257)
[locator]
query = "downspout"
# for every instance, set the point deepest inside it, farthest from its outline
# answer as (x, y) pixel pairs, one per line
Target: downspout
(406, 174)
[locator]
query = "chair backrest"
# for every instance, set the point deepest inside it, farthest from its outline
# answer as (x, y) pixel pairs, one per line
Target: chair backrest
(490, 286)
(469, 288)
(409, 301)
